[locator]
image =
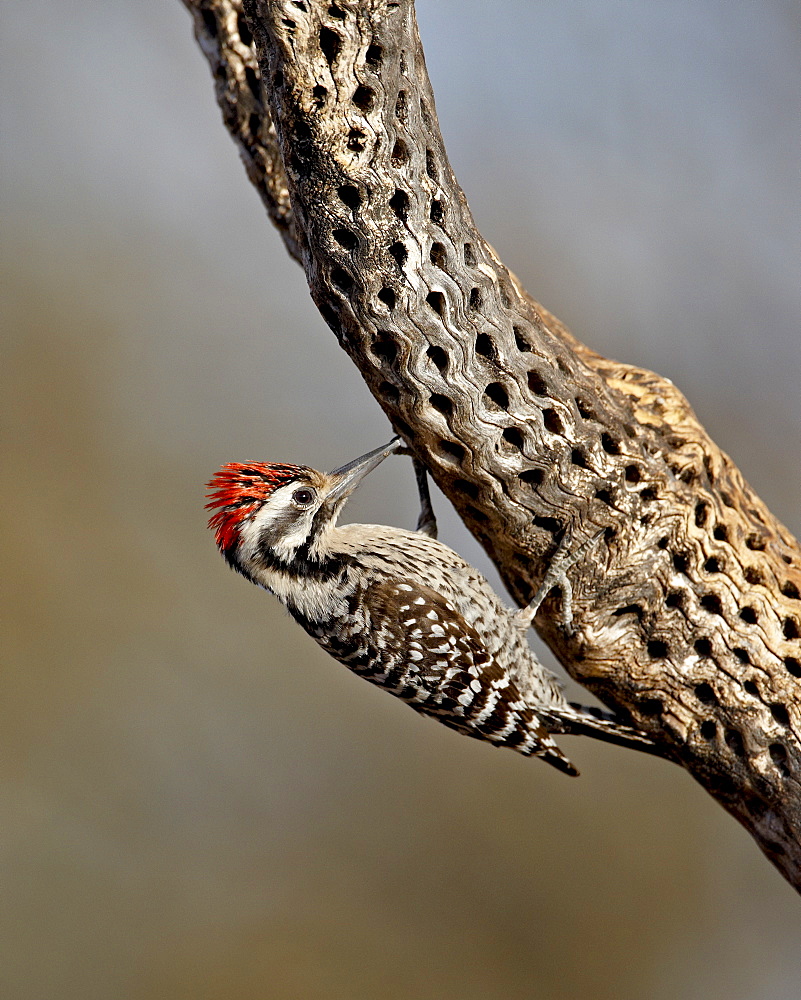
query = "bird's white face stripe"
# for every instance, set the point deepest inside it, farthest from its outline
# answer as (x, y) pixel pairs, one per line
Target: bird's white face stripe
(280, 521)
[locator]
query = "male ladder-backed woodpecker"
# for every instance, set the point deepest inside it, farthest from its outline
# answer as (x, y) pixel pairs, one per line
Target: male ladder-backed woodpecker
(399, 608)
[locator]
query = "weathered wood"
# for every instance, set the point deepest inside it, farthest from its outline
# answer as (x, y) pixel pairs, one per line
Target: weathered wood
(687, 616)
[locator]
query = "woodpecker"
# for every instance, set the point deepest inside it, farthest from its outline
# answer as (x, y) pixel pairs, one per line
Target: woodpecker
(400, 608)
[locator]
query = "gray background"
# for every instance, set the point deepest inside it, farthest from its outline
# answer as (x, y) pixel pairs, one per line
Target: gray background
(196, 802)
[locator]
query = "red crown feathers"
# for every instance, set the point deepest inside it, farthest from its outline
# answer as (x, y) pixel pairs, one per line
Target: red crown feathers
(238, 490)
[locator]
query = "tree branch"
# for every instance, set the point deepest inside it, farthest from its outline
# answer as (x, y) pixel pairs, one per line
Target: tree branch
(688, 619)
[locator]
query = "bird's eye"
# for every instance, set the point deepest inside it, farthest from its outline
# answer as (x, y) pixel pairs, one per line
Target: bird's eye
(303, 497)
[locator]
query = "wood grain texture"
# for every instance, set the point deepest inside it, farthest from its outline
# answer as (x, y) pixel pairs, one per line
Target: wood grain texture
(687, 615)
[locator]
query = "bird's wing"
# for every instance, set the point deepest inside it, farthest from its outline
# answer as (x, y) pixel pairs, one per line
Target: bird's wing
(445, 671)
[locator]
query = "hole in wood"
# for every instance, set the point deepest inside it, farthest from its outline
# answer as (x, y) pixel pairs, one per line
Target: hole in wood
(253, 81)
(520, 341)
(552, 421)
(356, 140)
(387, 296)
(531, 477)
(734, 742)
(497, 395)
(400, 154)
(705, 694)
(438, 356)
(425, 114)
(399, 254)
(384, 347)
(792, 665)
(657, 649)
(485, 346)
(609, 444)
(441, 403)
(437, 256)
(778, 754)
(349, 195)
(437, 302)
(345, 238)
(330, 44)
(436, 212)
(514, 437)
(399, 203)
(780, 714)
(681, 561)
(209, 22)
(550, 524)
(651, 707)
(712, 604)
(342, 280)
(537, 384)
(363, 98)
(431, 165)
(630, 609)
(451, 450)
(244, 32)
(331, 316)
(469, 255)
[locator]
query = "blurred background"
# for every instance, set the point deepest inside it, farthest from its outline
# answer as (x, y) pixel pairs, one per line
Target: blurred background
(196, 802)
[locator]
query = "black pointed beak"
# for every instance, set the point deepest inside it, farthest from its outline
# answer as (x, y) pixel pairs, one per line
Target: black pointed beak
(351, 474)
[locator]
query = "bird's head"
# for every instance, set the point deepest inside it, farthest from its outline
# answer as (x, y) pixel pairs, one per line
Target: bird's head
(267, 516)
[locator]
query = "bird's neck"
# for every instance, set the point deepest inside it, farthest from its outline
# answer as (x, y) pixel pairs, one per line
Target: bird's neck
(310, 579)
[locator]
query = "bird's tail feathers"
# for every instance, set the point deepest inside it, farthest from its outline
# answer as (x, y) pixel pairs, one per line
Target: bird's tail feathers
(581, 720)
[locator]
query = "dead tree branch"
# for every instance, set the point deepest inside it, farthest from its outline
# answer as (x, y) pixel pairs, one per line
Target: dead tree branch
(688, 619)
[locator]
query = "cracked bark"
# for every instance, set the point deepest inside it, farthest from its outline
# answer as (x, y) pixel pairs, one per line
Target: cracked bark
(687, 619)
